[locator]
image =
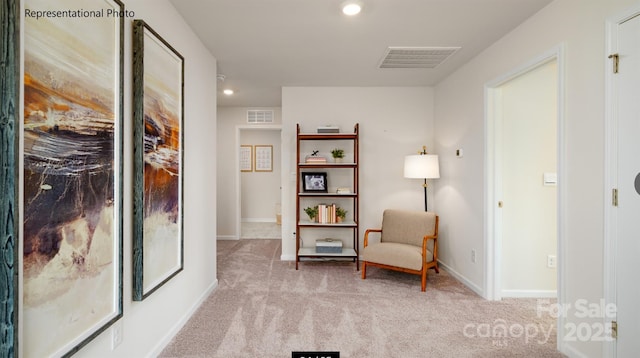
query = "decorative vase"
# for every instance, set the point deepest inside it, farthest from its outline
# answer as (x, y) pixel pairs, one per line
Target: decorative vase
(338, 160)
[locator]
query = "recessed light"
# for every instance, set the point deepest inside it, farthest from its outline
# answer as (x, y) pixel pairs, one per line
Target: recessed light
(228, 92)
(351, 8)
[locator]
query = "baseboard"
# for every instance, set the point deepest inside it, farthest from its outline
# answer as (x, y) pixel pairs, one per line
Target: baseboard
(287, 257)
(462, 279)
(164, 342)
(529, 293)
(228, 237)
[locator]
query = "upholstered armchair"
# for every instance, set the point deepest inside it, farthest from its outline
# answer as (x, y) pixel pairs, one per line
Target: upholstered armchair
(408, 242)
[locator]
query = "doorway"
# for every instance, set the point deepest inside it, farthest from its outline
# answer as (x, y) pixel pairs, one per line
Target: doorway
(622, 185)
(524, 171)
(258, 193)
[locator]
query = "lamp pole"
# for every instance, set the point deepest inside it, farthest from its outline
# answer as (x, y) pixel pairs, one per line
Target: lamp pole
(424, 152)
(425, 194)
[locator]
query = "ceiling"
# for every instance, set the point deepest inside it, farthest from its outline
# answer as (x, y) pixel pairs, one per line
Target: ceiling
(263, 45)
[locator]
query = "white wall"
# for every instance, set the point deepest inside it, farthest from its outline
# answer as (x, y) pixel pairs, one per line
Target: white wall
(231, 121)
(459, 112)
(529, 121)
(149, 325)
(394, 122)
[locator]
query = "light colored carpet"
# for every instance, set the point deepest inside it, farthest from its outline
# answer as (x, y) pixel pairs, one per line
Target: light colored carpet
(260, 230)
(263, 307)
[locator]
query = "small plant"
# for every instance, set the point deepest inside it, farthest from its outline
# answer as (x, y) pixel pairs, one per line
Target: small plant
(312, 212)
(341, 213)
(337, 153)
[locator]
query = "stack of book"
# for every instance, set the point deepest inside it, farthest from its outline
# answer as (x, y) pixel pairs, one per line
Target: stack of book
(314, 159)
(327, 214)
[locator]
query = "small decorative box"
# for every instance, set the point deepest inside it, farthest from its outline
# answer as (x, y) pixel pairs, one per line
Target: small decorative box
(328, 129)
(328, 246)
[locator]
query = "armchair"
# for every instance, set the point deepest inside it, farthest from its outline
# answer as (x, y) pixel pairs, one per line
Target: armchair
(408, 243)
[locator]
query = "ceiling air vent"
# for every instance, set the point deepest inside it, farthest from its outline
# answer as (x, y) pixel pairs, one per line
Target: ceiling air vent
(416, 57)
(259, 116)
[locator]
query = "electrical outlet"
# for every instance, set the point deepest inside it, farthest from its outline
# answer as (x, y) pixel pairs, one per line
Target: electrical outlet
(473, 256)
(116, 335)
(551, 261)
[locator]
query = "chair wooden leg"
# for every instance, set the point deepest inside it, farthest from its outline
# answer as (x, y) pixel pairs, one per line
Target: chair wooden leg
(424, 279)
(437, 269)
(364, 269)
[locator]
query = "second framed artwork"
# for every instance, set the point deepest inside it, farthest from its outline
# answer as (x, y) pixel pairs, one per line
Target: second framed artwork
(158, 113)
(263, 158)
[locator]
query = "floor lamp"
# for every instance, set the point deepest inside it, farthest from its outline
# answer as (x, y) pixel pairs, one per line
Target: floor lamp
(422, 166)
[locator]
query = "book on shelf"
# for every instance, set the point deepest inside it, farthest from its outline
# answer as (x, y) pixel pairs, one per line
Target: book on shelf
(315, 160)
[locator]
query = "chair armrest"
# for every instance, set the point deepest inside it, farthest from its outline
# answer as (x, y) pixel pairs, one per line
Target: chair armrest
(366, 236)
(426, 239)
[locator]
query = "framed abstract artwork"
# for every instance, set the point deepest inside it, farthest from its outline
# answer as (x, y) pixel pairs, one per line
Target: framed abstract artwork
(9, 128)
(158, 97)
(71, 176)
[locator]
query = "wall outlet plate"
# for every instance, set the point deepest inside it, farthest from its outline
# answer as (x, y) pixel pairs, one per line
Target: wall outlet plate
(116, 335)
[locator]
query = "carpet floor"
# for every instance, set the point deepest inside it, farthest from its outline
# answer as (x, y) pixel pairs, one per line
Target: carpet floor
(264, 307)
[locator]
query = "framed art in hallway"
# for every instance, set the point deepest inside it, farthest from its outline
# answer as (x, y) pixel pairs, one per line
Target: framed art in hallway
(263, 158)
(71, 176)
(158, 115)
(246, 158)
(9, 199)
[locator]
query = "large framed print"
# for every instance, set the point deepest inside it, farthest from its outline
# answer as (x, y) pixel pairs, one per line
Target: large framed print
(158, 88)
(71, 174)
(9, 128)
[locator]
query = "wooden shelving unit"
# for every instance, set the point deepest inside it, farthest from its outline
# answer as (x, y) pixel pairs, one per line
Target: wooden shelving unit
(304, 227)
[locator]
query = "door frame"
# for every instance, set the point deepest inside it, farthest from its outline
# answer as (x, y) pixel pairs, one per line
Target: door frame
(238, 176)
(493, 178)
(611, 166)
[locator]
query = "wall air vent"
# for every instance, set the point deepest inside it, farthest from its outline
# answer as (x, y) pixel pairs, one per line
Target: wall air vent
(259, 116)
(416, 57)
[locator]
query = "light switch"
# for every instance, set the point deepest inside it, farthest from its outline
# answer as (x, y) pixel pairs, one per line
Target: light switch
(459, 153)
(550, 179)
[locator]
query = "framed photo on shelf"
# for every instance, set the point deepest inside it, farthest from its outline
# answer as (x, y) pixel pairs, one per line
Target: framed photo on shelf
(314, 182)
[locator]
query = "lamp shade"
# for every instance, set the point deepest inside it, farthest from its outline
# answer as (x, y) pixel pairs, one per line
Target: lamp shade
(421, 166)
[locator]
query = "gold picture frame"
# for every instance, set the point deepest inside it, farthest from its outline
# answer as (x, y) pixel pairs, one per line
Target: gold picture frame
(246, 158)
(263, 158)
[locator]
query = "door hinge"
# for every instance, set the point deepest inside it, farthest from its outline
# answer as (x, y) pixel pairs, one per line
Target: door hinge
(614, 329)
(616, 62)
(614, 197)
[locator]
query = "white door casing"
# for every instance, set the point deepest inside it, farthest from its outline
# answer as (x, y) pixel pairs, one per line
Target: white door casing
(493, 181)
